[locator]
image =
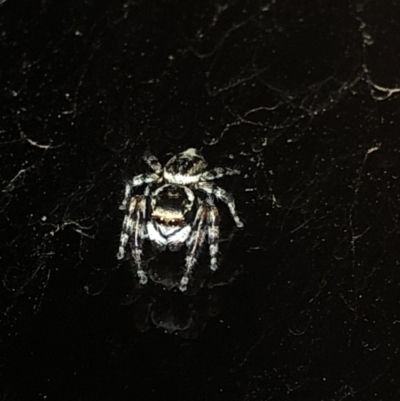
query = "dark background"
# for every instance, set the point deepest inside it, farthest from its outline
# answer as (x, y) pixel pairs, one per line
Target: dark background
(303, 97)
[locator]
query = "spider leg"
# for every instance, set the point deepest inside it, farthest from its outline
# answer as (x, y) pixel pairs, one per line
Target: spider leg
(224, 196)
(153, 163)
(134, 228)
(194, 244)
(137, 181)
(217, 173)
(213, 235)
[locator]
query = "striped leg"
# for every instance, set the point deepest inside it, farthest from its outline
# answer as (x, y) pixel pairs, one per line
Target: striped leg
(217, 173)
(194, 244)
(137, 181)
(213, 235)
(224, 196)
(134, 230)
(153, 163)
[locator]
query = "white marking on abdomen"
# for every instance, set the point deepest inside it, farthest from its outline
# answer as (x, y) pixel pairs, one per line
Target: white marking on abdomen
(164, 235)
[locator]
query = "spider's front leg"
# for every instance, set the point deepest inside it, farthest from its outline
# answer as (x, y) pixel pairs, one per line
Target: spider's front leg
(224, 196)
(153, 163)
(218, 172)
(134, 230)
(137, 181)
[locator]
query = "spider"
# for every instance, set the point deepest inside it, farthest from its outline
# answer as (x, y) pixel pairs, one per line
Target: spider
(176, 208)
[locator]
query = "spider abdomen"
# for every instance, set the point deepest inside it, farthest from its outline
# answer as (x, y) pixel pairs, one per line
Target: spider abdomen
(166, 235)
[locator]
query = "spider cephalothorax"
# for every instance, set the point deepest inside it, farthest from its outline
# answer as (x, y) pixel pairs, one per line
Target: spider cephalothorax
(177, 208)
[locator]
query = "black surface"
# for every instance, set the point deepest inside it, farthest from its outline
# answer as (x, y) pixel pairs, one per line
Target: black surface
(303, 97)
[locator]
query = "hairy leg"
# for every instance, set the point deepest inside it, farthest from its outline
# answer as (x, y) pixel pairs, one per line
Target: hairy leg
(137, 181)
(153, 163)
(224, 196)
(134, 231)
(213, 235)
(194, 244)
(217, 173)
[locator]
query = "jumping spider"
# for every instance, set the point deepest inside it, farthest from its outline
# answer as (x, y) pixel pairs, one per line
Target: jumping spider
(176, 208)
